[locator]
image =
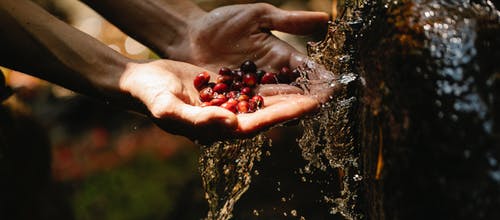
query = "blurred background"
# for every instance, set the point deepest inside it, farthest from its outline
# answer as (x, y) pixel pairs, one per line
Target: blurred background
(88, 160)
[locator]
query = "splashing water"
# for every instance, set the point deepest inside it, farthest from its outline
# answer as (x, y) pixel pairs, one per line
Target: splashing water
(226, 169)
(327, 143)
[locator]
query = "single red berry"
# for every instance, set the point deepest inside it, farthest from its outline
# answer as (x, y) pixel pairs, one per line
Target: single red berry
(224, 71)
(206, 94)
(232, 101)
(218, 100)
(269, 78)
(242, 107)
(250, 79)
(259, 100)
(224, 79)
(248, 67)
(252, 106)
(243, 97)
(246, 91)
(231, 106)
(221, 88)
(201, 80)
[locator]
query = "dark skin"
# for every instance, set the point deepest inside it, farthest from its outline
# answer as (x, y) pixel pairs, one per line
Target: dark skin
(161, 89)
(225, 36)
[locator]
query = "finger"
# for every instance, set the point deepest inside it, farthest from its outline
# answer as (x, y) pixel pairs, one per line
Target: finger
(277, 110)
(293, 22)
(203, 116)
(198, 124)
(296, 59)
(277, 89)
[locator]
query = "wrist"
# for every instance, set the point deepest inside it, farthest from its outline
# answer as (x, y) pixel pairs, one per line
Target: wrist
(158, 24)
(139, 86)
(116, 87)
(182, 17)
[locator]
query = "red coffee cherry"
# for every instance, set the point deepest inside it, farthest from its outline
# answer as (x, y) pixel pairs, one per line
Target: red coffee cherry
(206, 94)
(227, 79)
(242, 107)
(250, 79)
(243, 97)
(221, 88)
(218, 100)
(230, 105)
(232, 101)
(224, 71)
(259, 101)
(248, 67)
(269, 78)
(201, 80)
(246, 91)
(252, 106)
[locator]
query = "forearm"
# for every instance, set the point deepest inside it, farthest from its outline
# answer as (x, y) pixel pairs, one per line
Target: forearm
(33, 41)
(156, 23)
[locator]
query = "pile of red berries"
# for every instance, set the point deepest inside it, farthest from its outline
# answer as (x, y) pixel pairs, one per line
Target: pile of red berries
(232, 89)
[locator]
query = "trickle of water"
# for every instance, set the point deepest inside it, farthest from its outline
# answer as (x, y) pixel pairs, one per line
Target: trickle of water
(226, 168)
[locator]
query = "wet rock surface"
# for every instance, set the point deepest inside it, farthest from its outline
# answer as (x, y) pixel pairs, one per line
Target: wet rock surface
(430, 110)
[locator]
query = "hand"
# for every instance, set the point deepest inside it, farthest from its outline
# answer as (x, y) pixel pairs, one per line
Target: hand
(229, 35)
(166, 89)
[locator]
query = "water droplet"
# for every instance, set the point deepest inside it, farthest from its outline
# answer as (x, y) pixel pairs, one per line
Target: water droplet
(255, 212)
(357, 177)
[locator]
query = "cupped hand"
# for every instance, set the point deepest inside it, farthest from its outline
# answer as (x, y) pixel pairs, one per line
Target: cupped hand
(166, 90)
(228, 35)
